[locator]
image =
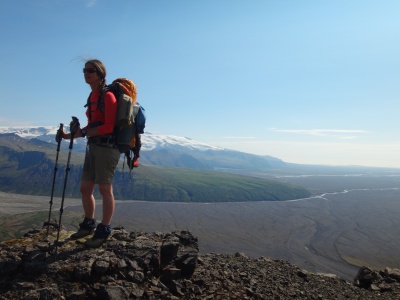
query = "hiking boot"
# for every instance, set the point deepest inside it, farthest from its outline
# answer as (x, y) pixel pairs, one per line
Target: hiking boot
(100, 236)
(85, 228)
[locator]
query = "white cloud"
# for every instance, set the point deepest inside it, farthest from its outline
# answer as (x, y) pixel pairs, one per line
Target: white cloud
(91, 3)
(321, 132)
(239, 137)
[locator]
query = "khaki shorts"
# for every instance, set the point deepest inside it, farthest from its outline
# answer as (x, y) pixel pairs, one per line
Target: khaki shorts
(100, 163)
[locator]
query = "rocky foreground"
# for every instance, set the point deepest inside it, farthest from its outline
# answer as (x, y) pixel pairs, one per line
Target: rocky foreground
(141, 265)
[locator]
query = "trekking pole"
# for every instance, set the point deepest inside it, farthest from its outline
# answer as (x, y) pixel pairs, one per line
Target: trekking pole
(74, 125)
(58, 140)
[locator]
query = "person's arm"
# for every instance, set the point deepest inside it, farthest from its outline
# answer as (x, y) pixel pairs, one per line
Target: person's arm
(110, 113)
(65, 135)
(78, 133)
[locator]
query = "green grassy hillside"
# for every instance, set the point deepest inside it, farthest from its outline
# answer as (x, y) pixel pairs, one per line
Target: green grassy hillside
(174, 184)
(27, 167)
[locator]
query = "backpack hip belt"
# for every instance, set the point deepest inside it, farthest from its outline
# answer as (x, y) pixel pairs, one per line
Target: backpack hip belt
(103, 141)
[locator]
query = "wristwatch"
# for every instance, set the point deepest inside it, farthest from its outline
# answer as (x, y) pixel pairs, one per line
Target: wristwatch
(83, 132)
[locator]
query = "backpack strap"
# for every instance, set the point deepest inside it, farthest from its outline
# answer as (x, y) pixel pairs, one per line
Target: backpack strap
(101, 99)
(87, 106)
(100, 102)
(88, 101)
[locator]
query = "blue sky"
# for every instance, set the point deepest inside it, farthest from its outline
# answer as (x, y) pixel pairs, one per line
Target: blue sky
(311, 82)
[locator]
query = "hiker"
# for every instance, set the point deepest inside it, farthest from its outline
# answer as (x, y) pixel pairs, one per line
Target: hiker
(101, 158)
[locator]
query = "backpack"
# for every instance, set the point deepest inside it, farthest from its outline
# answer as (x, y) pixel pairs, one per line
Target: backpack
(130, 120)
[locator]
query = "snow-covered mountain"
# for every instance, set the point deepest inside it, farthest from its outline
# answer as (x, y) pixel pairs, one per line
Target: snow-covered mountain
(152, 141)
(30, 131)
(149, 141)
(167, 150)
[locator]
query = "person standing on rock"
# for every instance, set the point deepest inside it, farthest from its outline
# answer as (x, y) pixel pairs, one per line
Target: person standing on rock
(101, 158)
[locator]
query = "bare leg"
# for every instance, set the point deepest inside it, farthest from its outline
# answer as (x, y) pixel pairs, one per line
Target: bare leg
(106, 192)
(88, 201)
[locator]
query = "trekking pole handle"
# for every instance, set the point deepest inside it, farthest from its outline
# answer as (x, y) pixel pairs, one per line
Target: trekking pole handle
(73, 128)
(74, 125)
(59, 134)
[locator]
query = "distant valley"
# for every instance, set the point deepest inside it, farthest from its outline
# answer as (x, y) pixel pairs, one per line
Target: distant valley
(321, 218)
(354, 223)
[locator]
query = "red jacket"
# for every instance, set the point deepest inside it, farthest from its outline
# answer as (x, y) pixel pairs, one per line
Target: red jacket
(95, 115)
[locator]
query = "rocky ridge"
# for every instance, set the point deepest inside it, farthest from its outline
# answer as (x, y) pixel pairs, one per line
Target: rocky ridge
(140, 265)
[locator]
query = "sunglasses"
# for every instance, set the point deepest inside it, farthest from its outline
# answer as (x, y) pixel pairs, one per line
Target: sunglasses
(89, 70)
